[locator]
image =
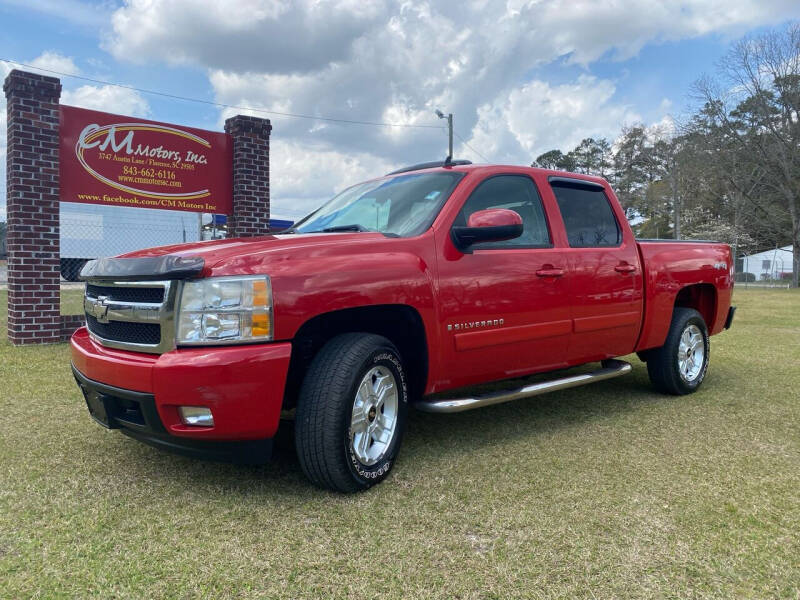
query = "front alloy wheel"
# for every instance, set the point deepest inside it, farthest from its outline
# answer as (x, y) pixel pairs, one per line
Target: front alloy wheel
(351, 412)
(374, 419)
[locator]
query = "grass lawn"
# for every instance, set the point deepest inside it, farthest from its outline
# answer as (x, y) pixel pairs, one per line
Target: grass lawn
(605, 491)
(72, 301)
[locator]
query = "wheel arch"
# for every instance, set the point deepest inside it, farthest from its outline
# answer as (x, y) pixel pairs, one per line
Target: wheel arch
(702, 297)
(400, 323)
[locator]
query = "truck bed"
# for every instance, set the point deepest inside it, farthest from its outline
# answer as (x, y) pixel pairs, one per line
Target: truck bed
(670, 265)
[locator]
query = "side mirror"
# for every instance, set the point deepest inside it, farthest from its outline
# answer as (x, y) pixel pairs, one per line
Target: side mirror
(490, 225)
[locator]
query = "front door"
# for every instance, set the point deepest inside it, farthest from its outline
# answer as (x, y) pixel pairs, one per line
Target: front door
(504, 305)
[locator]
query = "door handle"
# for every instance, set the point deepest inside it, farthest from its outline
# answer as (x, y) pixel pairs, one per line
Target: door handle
(625, 268)
(549, 271)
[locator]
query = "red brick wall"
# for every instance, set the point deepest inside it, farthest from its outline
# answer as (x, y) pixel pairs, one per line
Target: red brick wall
(250, 176)
(32, 203)
(69, 323)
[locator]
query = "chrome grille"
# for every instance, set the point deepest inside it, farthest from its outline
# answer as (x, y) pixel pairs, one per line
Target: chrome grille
(132, 315)
(129, 333)
(151, 295)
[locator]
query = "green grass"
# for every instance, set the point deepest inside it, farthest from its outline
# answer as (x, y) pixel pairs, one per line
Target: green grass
(71, 301)
(604, 491)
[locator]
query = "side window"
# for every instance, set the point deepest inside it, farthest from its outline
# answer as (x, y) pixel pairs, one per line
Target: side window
(587, 216)
(517, 193)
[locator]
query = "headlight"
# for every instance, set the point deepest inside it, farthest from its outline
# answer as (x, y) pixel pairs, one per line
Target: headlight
(225, 310)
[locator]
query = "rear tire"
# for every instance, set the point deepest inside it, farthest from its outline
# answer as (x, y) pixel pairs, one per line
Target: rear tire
(679, 366)
(351, 413)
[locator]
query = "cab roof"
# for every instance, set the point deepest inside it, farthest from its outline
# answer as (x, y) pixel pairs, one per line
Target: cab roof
(465, 166)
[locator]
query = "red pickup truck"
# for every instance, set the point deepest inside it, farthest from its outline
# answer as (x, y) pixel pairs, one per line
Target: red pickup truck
(430, 279)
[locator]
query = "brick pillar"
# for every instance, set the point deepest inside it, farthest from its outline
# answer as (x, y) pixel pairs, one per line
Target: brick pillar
(32, 196)
(250, 176)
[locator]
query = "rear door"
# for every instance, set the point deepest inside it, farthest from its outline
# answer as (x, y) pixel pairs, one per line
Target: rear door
(504, 305)
(604, 271)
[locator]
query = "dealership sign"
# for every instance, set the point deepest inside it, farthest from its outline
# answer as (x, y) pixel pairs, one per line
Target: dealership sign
(122, 161)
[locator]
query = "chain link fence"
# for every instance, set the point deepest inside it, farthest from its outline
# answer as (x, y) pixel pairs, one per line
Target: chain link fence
(91, 231)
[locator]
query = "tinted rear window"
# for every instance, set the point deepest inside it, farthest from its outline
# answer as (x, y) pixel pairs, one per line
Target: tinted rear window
(587, 216)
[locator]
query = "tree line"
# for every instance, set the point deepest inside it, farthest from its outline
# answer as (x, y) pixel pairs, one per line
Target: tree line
(730, 171)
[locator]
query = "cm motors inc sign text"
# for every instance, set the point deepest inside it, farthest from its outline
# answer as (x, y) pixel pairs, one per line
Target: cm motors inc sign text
(124, 161)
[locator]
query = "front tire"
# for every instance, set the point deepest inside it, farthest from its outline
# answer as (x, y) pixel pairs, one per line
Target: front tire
(351, 413)
(679, 366)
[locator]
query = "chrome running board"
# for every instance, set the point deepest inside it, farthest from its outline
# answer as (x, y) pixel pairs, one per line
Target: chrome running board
(611, 368)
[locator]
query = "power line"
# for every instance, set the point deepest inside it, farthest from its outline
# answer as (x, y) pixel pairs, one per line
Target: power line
(470, 147)
(221, 104)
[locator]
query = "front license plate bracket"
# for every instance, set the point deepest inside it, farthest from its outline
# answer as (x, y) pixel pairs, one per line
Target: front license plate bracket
(100, 409)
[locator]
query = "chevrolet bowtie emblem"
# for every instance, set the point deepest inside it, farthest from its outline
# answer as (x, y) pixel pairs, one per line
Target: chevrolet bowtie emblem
(100, 309)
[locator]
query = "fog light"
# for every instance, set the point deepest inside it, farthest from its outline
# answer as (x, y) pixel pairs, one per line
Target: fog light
(196, 415)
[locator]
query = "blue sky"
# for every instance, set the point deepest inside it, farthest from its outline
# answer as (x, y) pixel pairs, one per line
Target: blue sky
(521, 77)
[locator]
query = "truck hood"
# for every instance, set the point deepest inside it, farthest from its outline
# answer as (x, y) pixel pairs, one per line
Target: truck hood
(220, 252)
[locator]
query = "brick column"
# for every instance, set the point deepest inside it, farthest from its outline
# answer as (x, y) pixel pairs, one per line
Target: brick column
(250, 176)
(32, 196)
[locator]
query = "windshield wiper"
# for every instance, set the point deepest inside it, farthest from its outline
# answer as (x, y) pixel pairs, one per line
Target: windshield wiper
(352, 227)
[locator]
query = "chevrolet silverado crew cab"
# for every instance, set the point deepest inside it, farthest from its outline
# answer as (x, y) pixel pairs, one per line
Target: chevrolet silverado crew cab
(433, 278)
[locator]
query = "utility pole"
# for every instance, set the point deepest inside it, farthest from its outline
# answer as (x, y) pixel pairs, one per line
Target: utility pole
(449, 118)
(450, 135)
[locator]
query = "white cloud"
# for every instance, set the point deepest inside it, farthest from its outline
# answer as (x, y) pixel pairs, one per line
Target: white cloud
(43, 64)
(278, 35)
(107, 98)
(53, 61)
(541, 116)
(292, 35)
(664, 128)
(375, 60)
(302, 176)
(515, 127)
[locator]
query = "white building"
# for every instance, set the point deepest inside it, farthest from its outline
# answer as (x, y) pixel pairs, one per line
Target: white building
(770, 264)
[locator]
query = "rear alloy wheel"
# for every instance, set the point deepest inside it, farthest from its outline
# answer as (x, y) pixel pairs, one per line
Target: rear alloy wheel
(351, 412)
(691, 353)
(680, 365)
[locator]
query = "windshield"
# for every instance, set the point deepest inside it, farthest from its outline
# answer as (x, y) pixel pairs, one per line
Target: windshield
(405, 205)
